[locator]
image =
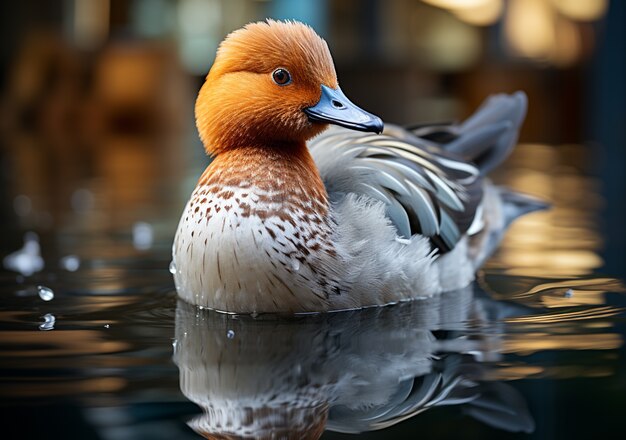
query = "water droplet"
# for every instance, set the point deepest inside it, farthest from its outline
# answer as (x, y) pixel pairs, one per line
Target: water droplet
(230, 334)
(568, 293)
(106, 326)
(71, 263)
(48, 322)
(254, 315)
(172, 267)
(26, 260)
(45, 293)
(295, 264)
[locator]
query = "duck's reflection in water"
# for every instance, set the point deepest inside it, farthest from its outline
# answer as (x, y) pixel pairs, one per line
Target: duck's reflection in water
(348, 372)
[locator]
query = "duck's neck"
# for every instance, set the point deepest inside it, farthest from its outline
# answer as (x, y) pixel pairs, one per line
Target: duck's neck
(283, 175)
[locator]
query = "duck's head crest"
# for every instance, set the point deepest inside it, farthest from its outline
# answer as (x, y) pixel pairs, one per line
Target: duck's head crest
(269, 85)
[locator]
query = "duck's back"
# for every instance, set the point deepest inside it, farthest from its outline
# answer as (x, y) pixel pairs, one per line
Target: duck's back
(423, 189)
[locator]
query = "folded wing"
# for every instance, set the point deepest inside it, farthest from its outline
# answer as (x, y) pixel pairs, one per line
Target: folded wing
(430, 178)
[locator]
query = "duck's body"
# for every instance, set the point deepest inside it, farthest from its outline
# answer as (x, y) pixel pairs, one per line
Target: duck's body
(351, 220)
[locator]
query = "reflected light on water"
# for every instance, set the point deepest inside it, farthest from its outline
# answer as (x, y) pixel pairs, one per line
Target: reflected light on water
(562, 317)
(65, 387)
(59, 343)
(517, 372)
(529, 343)
(564, 241)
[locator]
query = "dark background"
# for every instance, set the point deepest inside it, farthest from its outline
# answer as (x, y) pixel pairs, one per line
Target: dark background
(98, 94)
(97, 131)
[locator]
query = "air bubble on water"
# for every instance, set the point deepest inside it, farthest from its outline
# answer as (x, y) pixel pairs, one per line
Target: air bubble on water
(45, 293)
(26, 260)
(143, 236)
(568, 293)
(48, 322)
(230, 334)
(172, 267)
(295, 264)
(71, 263)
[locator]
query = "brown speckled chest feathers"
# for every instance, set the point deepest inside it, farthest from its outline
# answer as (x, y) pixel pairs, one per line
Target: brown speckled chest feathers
(285, 174)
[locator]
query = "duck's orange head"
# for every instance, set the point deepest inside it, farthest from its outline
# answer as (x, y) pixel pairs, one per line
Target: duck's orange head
(273, 83)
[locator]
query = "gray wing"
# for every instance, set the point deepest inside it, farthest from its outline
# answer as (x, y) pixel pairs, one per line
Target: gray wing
(425, 177)
(487, 137)
(424, 192)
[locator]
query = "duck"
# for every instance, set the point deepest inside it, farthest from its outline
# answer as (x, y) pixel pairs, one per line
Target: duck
(292, 216)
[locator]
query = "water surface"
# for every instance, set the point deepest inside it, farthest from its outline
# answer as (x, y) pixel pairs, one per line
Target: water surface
(95, 345)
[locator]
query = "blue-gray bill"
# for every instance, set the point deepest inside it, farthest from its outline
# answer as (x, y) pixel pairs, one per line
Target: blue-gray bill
(335, 108)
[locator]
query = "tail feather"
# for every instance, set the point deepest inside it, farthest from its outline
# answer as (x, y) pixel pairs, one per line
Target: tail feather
(515, 205)
(476, 143)
(503, 206)
(501, 406)
(488, 136)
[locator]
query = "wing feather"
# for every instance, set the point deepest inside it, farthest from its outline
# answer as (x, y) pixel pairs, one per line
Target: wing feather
(423, 208)
(429, 177)
(382, 175)
(425, 191)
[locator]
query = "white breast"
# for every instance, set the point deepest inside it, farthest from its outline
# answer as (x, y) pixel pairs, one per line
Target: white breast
(228, 258)
(241, 250)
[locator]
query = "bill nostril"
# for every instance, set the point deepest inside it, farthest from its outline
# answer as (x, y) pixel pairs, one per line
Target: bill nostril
(337, 104)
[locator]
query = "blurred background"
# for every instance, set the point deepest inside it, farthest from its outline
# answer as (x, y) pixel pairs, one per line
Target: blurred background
(99, 153)
(96, 104)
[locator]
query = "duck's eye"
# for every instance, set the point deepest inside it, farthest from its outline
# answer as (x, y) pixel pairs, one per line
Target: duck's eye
(281, 77)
